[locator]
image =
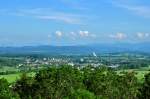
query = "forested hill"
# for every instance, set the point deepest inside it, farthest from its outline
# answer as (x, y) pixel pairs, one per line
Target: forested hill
(84, 49)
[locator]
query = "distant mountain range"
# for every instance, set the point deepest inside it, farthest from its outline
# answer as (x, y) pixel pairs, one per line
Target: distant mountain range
(85, 49)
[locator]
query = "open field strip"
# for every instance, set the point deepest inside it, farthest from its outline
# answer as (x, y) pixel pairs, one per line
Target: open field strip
(13, 77)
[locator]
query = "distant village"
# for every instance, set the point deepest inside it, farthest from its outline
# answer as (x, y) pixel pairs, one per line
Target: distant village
(80, 61)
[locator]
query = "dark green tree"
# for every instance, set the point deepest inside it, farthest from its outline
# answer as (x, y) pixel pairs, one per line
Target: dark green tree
(145, 90)
(57, 82)
(5, 90)
(106, 83)
(24, 86)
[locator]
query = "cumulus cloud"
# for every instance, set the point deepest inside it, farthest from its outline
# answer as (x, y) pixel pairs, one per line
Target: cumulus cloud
(142, 35)
(58, 34)
(118, 36)
(81, 35)
(84, 33)
(74, 35)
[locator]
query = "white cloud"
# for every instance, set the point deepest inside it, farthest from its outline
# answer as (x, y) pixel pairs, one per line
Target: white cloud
(46, 14)
(75, 35)
(141, 10)
(119, 36)
(84, 33)
(65, 19)
(59, 34)
(143, 35)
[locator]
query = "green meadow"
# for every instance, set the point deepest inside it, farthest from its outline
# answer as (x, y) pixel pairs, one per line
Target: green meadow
(140, 73)
(13, 77)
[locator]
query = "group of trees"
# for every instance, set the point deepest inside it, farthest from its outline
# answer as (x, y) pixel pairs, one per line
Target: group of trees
(66, 82)
(6, 92)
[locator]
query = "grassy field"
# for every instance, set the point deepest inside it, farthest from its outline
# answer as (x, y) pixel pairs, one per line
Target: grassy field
(139, 74)
(13, 77)
(6, 68)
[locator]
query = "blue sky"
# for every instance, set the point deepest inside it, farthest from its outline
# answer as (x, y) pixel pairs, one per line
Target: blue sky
(73, 22)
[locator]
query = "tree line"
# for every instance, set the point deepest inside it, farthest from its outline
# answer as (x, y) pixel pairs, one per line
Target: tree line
(66, 82)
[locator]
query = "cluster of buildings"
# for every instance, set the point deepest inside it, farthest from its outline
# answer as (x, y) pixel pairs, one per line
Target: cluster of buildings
(79, 61)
